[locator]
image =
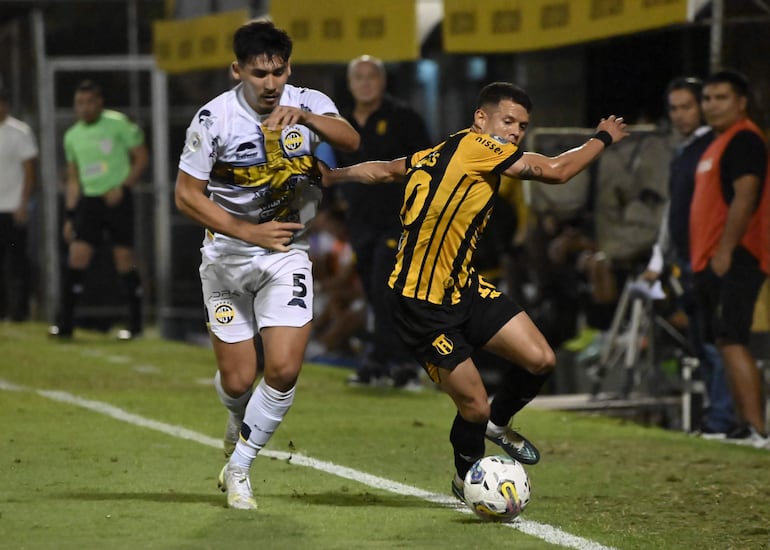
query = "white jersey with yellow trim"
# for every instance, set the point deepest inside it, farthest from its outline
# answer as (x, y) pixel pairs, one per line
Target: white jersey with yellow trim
(254, 173)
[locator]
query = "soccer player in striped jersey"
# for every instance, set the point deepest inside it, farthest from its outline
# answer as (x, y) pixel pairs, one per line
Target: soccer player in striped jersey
(443, 309)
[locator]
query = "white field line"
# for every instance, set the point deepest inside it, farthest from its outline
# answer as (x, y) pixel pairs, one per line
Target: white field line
(543, 531)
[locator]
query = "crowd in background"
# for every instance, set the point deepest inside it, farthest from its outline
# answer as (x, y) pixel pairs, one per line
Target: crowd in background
(564, 254)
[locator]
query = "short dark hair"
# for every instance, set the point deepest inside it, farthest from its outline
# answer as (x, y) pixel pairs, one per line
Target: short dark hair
(261, 38)
(494, 93)
(89, 86)
(692, 84)
(737, 81)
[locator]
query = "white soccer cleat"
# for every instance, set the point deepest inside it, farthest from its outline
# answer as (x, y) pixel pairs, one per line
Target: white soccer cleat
(234, 481)
(232, 433)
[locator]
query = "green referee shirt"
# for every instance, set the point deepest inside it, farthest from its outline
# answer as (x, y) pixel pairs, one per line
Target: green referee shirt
(101, 151)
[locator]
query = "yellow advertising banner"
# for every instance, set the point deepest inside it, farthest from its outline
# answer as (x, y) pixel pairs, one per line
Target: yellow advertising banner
(183, 45)
(335, 31)
(490, 26)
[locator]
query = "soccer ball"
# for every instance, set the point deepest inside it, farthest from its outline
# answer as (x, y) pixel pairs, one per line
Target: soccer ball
(497, 488)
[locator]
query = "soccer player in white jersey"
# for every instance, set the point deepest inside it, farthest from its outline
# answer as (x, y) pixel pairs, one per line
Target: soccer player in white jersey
(244, 176)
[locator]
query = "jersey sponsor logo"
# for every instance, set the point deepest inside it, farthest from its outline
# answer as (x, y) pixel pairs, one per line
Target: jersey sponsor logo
(205, 119)
(443, 345)
(224, 313)
(489, 144)
(246, 150)
(292, 140)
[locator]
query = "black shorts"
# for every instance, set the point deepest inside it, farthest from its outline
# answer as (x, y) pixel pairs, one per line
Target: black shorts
(446, 335)
(95, 221)
(725, 305)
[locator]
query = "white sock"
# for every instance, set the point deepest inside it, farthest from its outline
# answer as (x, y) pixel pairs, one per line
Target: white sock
(236, 405)
(264, 414)
(494, 430)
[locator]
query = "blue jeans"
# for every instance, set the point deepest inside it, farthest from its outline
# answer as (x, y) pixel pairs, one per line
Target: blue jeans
(719, 417)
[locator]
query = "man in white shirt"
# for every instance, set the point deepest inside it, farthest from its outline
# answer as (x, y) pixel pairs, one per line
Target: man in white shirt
(18, 152)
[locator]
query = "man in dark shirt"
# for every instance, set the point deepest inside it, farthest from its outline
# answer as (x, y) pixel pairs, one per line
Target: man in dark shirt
(388, 129)
(683, 96)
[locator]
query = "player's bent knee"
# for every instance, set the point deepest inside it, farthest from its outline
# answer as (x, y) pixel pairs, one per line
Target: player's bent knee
(544, 362)
(476, 412)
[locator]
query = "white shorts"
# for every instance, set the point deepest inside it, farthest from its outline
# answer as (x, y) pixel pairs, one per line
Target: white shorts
(244, 294)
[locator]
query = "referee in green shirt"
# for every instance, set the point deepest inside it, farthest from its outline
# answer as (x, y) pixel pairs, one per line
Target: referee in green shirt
(106, 155)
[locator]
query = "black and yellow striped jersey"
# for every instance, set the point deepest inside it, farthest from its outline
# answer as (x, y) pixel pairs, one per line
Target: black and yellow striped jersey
(448, 199)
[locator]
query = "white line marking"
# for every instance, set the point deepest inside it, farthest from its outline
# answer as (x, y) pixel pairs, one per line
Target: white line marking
(543, 531)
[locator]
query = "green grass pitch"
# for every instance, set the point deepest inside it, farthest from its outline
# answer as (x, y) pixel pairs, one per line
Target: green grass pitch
(83, 466)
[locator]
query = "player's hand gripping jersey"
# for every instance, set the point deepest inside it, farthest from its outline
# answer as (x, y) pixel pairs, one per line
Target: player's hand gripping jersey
(447, 201)
(254, 173)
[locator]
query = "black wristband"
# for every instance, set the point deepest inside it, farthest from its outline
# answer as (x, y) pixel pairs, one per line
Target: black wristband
(603, 136)
(70, 214)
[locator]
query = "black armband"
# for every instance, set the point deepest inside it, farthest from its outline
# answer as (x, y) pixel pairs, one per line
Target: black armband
(603, 136)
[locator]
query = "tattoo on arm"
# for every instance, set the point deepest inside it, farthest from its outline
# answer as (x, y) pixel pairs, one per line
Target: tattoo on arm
(529, 171)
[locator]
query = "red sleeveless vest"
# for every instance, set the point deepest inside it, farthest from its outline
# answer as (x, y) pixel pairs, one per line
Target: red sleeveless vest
(708, 211)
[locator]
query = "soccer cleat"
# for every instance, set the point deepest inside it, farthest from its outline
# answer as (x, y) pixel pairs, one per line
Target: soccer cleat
(232, 433)
(458, 488)
(516, 446)
(234, 481)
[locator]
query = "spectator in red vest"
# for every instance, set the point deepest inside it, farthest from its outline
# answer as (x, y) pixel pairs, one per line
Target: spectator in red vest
(730, 241)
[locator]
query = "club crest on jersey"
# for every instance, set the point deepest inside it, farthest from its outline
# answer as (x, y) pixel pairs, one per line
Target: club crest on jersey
(382, 127)
(224, 313)
(105, 145)
(443, 345)
(292, 140)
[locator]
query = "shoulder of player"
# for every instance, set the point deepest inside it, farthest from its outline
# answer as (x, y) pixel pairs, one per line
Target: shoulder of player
(296, 96)
(215, 112)
(488, 142)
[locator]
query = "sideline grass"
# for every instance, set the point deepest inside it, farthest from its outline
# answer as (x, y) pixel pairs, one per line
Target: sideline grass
(71, 478)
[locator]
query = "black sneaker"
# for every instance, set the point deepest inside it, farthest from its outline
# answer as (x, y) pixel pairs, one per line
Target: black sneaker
(516, 446)
(368, 376)
(458, 488)
(748, 435)
(61, 333)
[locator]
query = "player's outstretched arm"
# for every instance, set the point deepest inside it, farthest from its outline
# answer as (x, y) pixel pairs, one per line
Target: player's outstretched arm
(373, 171)
(332, 128)
(559, 169)
(191, 200)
